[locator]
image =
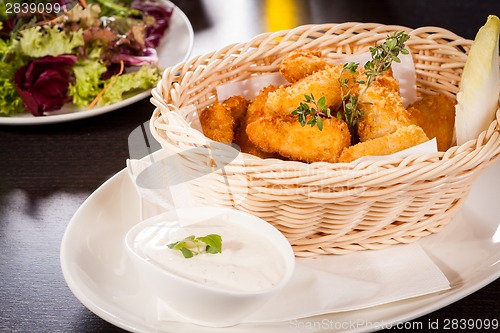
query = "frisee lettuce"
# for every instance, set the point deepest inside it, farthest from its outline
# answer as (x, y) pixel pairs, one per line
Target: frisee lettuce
(3, 13)
(10, 102)
(42, 41)
(88, 83)
(116, 8)
(144, 78)
(83, 17)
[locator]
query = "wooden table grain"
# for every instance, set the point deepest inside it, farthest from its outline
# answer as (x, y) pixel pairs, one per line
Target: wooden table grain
(48, 171)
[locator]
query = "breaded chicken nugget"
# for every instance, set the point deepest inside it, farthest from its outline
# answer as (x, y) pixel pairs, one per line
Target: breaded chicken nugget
(285, 136)
(387, 80)
(403, 138)
(436, 115)
(383, 110)
(286, 99)
(238, 106)
(253, 112)
(301, 63)
(255, 109)
(217, 123)
(246, 146)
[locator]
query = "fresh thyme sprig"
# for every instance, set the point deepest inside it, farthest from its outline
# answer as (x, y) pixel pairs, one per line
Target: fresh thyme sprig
(351, 113)
(191, 245)
(318, 110)
(384, 54)
(382, 57)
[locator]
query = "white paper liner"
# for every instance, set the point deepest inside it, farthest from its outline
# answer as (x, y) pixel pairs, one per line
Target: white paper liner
(429, 146)
(249, 88)
(403, 72)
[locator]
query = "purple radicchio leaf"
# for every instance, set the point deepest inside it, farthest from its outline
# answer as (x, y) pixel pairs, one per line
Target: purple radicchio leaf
(162, 15)
(43, 83)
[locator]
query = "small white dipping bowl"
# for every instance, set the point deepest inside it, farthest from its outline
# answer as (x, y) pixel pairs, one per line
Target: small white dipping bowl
(209, 304)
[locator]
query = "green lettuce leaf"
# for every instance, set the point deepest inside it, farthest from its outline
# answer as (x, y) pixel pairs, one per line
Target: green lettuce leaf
(84, 17)
(88, 83)
(147, 77)
(4, 47)
(3, 12)
(95, 50)
(42, 41)
(10, 102)
(116, 8)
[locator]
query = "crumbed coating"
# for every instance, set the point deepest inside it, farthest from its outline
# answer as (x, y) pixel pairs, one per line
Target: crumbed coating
(217, 123)
(286, 136)
(266, 127)
(246, 146)
(255, 109)
(383, 110)
(238, 106)
(254, 112)
(286, 99)
(387, 80)
(436, 115)
(301, 63)
(403, 138)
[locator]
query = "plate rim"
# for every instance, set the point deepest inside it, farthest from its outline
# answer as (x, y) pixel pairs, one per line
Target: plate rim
(439, 300)
(26, 119)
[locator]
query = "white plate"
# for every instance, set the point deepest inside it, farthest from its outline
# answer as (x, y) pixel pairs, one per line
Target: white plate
(175, 47)
(98, 271)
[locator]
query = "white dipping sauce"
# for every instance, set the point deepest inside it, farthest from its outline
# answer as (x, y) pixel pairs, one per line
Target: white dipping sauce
(248, 262)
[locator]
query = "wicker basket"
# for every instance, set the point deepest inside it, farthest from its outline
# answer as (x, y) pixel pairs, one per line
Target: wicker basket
(325, 208)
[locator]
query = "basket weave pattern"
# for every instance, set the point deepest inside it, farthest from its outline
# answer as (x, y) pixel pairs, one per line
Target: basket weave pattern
(325, 208)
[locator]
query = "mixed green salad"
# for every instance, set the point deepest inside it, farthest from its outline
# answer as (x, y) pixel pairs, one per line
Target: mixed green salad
(90, 53)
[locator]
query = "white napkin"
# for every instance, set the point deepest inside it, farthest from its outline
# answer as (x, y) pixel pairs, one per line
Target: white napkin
(334, 283)
(329, 284)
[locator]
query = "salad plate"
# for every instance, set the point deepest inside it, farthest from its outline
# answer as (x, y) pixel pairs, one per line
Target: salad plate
(175, 46)
(99, 272)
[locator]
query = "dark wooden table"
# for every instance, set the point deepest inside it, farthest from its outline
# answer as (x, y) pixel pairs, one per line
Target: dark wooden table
(48, 171)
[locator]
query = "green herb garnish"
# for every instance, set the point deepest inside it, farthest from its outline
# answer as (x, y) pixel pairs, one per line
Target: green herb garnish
(351, 112)
(318, 110)
(192, 245)
(382, 57)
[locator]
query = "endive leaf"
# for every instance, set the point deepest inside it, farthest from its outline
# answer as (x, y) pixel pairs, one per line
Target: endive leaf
(480, 84)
